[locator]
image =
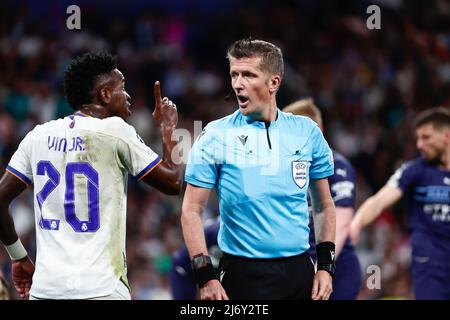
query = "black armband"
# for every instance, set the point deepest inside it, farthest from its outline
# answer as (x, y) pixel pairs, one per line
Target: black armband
(325, 257)
(203, 269)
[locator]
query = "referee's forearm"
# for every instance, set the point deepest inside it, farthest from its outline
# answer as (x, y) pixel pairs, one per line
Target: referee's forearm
(326, 224)
(193, 233)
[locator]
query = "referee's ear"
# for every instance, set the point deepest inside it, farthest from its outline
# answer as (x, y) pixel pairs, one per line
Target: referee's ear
(274, 83)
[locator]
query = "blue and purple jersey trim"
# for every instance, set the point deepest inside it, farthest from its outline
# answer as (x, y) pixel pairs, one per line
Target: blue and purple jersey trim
(149, 168)
(19, 175)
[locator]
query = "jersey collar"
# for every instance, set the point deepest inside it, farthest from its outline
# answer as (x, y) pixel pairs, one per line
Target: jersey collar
(79, 114)
(261, 124)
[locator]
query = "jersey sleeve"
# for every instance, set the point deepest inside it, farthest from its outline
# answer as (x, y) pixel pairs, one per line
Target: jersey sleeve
(135, 155)
(403, 177)
(20, 163)
(342, 185)
(322, 165)
(201, 168)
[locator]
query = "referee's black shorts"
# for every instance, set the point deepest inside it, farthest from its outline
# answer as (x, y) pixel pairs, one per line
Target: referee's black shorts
(288, 278)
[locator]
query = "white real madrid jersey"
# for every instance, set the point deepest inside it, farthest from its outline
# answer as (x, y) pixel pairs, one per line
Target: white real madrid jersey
(79, 167)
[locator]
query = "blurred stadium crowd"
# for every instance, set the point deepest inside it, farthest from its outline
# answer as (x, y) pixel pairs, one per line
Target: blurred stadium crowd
(368, 83)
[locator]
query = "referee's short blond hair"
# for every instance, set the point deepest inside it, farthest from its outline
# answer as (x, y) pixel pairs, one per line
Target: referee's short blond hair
(305, 107)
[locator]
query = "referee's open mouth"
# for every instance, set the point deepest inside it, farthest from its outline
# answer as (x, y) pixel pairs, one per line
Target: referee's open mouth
(243, 101)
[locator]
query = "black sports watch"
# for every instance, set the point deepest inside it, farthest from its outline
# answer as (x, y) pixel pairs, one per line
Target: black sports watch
(203, 269)
(200, 261)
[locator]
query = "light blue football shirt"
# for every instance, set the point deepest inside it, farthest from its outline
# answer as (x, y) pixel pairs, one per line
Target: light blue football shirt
(261, 176)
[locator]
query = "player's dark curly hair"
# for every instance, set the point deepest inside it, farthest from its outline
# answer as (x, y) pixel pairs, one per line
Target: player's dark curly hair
(82, 72)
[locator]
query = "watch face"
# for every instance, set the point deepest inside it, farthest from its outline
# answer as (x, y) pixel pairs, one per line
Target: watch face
(199, 261)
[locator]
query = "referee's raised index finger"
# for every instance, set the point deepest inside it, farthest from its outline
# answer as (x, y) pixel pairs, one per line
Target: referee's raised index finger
(157, 92)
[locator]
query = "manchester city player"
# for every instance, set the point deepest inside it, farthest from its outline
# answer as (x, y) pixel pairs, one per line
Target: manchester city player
(347, 282)
(425, 184)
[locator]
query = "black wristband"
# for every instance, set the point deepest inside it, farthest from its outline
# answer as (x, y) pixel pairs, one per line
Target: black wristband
(330, 268)
(203, 269)
(325, 257)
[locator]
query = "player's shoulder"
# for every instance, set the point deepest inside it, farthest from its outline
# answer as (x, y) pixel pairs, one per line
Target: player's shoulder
(414, 164)
(343, 169)
(115, 126)
(410, 169)
(44, 128)
(407, 171)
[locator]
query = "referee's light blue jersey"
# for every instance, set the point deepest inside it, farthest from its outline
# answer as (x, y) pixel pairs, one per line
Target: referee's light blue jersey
(261, 172)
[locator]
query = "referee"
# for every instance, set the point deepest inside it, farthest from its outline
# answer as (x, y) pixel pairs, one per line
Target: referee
(261, 161)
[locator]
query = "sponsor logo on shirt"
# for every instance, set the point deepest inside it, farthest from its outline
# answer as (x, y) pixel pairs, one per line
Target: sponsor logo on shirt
(342, 190)
(243, 139)
(341, 172)
(446, 180)
(439, 212)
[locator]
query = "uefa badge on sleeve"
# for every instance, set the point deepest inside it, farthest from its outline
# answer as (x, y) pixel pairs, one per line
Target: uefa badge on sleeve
(300, 173)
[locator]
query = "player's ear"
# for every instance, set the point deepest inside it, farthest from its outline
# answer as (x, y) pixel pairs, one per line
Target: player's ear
(274, 83)
(104, 95)
(447, 134)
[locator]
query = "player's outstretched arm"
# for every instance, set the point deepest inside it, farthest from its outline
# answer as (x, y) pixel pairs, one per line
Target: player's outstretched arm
(22, 267)
(372, 208)
(167, 176)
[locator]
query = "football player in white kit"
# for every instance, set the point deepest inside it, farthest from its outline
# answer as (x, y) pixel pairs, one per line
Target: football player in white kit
(78, 167)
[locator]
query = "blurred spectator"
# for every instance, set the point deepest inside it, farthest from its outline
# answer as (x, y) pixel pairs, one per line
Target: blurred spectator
(4, 289)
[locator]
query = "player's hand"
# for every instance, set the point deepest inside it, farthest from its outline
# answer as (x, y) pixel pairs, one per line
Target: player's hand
(165, 113)
(22, 273)
(355, 230)
(213, 290)
(322, 286)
